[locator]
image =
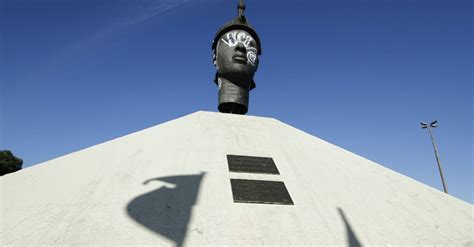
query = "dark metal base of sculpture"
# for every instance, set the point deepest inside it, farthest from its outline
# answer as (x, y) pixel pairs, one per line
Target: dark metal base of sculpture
(232, 98)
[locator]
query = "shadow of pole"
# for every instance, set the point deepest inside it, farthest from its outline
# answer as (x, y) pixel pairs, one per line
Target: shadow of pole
(167, 210)
(352, 240)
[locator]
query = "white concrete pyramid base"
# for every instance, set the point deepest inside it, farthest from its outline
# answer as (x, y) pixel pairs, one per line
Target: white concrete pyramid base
(170, 185)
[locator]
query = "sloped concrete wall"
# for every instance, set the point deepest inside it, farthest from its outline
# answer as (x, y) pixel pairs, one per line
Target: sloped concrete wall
(170, 185)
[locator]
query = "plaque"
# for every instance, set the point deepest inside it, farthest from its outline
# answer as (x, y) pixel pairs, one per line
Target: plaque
(259, 191)
(251, 164)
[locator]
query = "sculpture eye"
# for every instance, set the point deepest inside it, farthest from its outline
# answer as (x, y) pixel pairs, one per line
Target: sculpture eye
(231, 39)
(241, 37)
(247, 41)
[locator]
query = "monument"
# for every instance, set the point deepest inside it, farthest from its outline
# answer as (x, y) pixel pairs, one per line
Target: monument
(219, 179)
(236, 48)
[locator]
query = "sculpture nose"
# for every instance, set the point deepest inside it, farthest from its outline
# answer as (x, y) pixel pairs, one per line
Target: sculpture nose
(240, 47)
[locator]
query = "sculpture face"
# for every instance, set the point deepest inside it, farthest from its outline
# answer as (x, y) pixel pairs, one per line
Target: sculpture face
(236, 56)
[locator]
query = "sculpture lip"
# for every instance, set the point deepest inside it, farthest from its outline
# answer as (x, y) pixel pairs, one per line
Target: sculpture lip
(240, 58)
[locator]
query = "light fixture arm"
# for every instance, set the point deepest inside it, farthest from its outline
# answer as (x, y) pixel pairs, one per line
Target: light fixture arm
(429, 126)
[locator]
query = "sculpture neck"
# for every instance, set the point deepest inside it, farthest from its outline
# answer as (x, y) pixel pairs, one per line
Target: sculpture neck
(233, 99)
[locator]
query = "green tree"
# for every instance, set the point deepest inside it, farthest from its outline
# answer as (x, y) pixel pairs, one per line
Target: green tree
(9, 163)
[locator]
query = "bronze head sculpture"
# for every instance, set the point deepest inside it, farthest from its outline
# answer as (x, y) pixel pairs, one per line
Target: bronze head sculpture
(236, 49)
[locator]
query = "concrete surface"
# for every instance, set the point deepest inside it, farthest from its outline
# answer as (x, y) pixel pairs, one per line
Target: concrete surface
(169, 185)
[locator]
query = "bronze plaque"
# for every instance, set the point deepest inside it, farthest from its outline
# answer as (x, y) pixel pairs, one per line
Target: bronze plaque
(251, 164)
(259, 191)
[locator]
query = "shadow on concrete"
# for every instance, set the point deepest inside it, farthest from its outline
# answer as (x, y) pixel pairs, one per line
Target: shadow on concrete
(352, 240)
(167, 210)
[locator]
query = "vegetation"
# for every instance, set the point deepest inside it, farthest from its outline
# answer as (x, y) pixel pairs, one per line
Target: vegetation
(9, 163)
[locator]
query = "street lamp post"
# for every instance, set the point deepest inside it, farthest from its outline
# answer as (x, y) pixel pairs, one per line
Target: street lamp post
(429, 126)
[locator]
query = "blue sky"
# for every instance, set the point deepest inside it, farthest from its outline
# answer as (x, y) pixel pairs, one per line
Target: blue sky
(360, 74)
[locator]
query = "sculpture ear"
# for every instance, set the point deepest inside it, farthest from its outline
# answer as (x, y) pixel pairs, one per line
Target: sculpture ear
(214, 60)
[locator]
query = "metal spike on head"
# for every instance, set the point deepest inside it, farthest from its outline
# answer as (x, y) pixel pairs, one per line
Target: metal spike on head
(241, 9)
